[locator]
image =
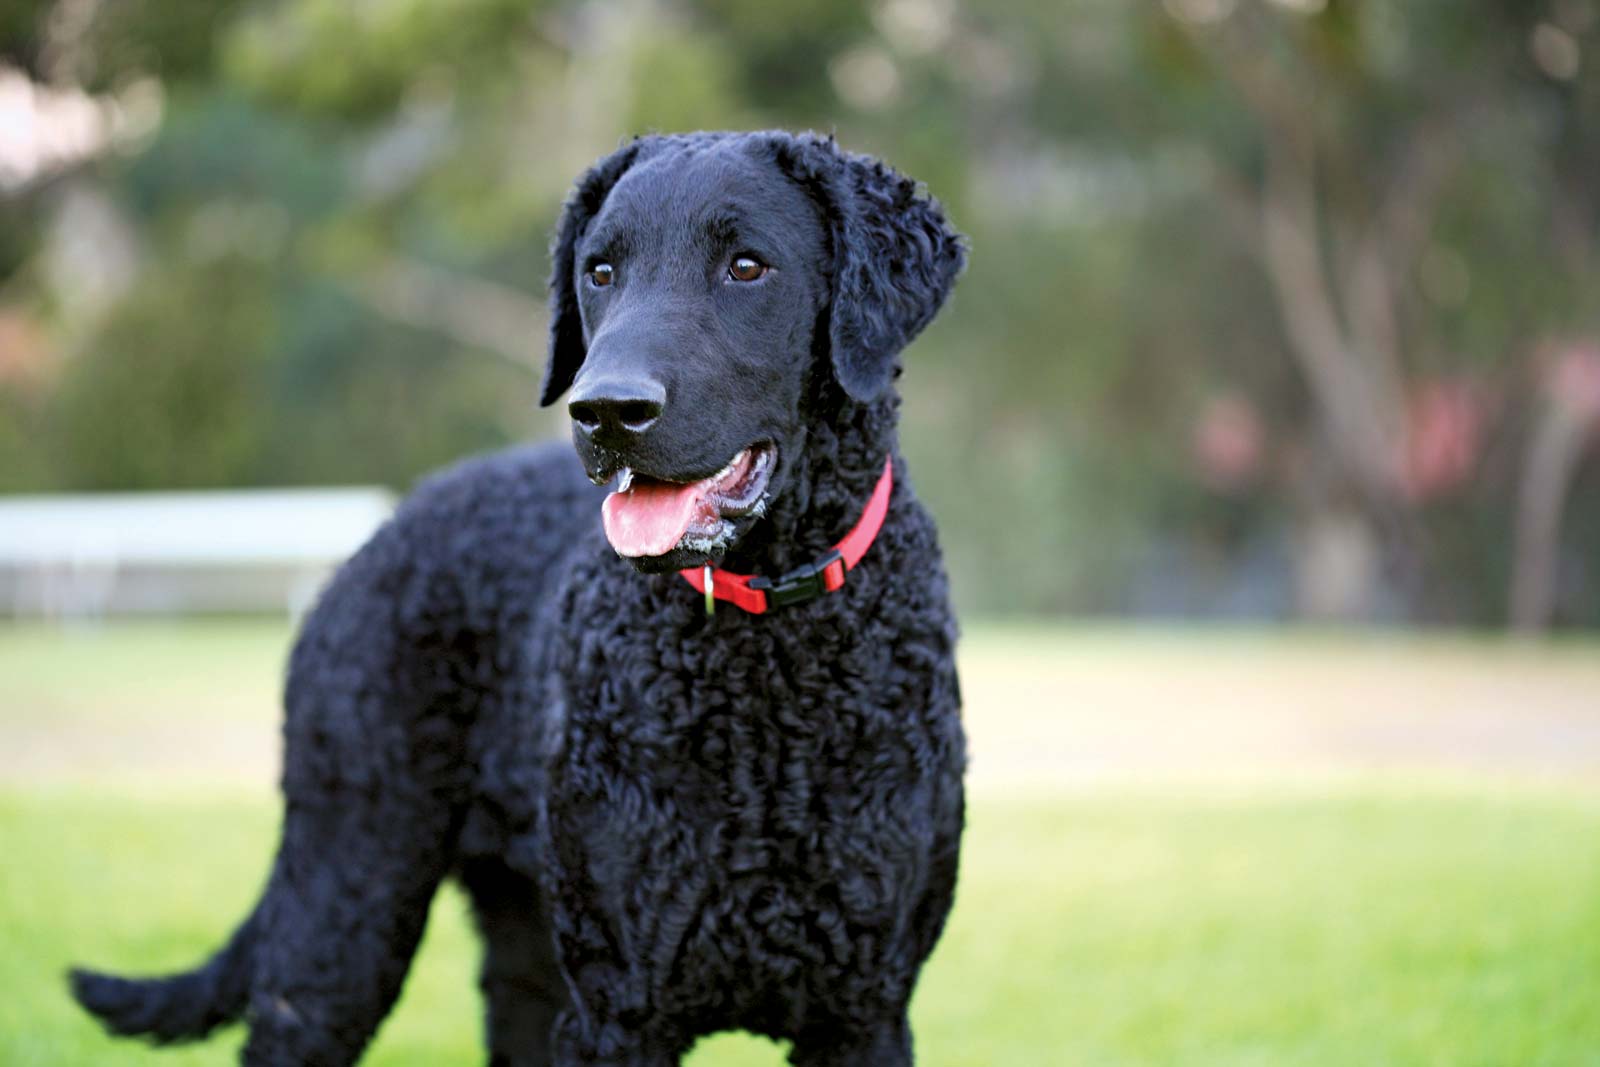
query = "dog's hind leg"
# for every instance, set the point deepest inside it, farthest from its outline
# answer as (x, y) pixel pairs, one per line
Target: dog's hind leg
(521, 979)
(344, 910)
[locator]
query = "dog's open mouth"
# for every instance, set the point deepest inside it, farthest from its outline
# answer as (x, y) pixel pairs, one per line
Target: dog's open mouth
(648, 516)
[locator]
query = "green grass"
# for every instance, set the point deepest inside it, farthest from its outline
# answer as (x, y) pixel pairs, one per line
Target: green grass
(1373, 926)
(136, 674)
(1144, 912)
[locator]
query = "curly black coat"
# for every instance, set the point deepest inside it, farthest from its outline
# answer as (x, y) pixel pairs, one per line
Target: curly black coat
(669, 823)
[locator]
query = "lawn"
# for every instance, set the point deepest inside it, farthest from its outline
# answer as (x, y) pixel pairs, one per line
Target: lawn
(1424, 907)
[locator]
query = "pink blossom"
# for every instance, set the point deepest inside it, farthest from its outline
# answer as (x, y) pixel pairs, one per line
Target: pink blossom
(1228, 442)
(1444, 436)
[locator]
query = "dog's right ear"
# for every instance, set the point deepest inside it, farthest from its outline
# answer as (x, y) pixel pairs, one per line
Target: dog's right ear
(566, 327)
(895, 255)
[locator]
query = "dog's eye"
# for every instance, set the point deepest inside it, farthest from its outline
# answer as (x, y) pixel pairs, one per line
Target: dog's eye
(602, 274)
(746, 269)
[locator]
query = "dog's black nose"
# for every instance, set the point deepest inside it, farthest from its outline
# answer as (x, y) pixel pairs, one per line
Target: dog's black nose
(617, 407)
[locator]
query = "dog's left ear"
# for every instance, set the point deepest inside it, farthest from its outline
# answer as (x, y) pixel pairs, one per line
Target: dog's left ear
(566, 326)
(895, 257)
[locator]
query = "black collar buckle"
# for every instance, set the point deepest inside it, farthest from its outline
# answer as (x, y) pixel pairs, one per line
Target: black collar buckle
(801, 584)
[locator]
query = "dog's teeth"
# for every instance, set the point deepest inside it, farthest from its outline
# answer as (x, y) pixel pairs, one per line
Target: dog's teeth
(725, 471)
(624, 479)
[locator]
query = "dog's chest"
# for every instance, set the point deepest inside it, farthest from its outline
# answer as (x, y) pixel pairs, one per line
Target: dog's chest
(756, 746)
(746, 809)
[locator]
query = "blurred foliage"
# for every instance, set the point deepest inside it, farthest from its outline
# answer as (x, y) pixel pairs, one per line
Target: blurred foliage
(1262, 301)
(165, 395)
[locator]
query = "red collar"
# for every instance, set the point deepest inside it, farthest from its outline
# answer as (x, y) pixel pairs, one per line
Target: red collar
(759, 595)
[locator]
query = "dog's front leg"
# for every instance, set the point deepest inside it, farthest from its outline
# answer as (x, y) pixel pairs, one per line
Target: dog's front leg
(521, 979)
(883, 1044)
(608, 1045)
(612, 1019)
(609, 1021)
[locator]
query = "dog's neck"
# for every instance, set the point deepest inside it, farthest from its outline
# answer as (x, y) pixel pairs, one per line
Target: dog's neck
(828, 489)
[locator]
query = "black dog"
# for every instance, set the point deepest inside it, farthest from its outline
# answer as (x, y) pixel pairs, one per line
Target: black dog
(670, 822)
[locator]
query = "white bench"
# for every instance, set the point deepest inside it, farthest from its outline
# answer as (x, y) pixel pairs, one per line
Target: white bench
(156, 553)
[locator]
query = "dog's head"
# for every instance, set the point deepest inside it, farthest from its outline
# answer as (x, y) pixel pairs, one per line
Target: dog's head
(700, 284)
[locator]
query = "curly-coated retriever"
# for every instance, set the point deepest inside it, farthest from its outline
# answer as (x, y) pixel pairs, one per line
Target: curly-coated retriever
(671, 820)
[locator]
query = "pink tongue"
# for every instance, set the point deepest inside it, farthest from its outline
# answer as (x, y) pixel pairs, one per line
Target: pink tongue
(650, 519)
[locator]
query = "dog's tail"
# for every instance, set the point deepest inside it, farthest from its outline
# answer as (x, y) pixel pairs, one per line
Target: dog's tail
(179, 1007)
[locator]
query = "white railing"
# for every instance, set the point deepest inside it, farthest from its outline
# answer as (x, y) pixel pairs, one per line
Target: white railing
(228, 550)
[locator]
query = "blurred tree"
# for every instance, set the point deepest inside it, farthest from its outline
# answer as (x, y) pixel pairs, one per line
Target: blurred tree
(1379, 163)
(1369, 125)
(1276, 306)
(164, 397)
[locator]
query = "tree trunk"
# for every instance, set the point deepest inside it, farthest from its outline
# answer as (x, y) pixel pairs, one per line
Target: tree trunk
(1552, 460)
